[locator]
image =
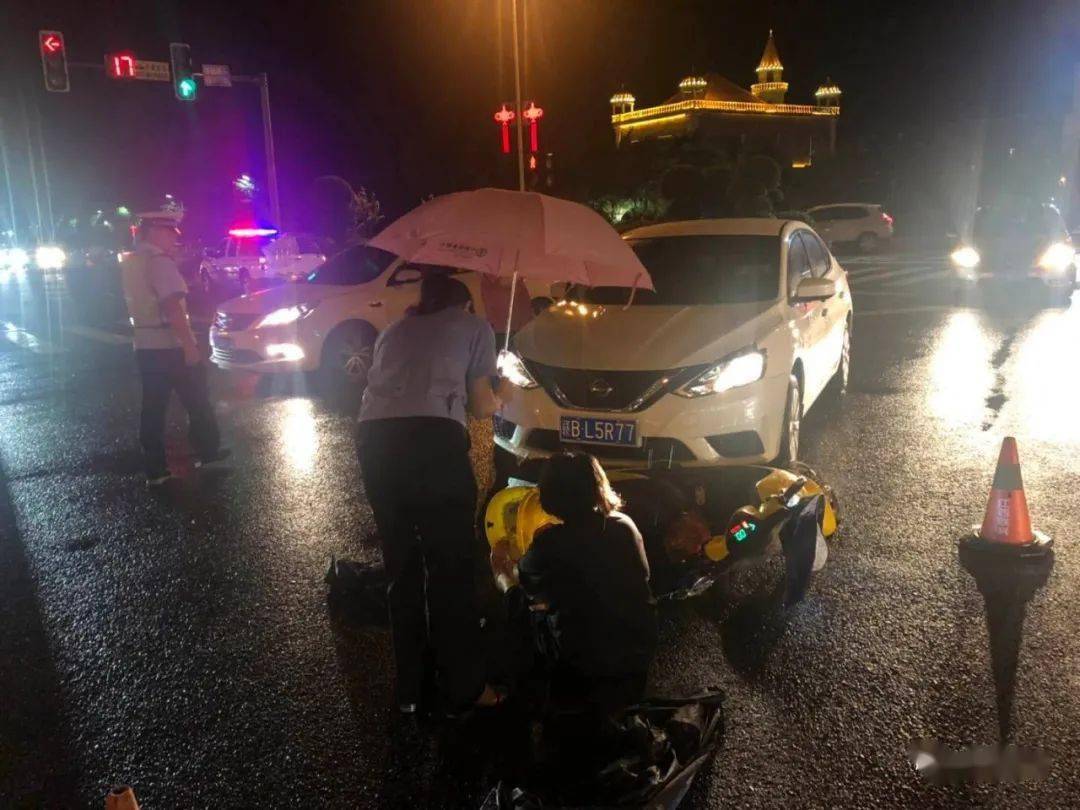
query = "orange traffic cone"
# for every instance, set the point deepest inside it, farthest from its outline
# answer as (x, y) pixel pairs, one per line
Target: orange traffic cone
(1006, 526)
(121, 797)
(1007, 519)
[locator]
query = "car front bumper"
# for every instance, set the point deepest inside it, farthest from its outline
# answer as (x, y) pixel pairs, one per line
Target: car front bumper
(740, 426)
(253, 350)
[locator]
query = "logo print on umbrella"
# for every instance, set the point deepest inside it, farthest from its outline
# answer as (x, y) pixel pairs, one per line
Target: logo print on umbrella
(463, 250)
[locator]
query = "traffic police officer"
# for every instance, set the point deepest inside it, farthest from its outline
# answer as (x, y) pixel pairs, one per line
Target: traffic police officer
(167, 355)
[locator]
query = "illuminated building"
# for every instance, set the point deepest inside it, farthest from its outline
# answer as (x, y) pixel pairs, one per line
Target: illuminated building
(711, 107)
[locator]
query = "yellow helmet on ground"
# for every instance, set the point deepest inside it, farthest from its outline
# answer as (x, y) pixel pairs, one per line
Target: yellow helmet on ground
(514, 515)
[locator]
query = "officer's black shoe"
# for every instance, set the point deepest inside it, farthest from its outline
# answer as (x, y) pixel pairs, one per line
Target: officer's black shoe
(220, 455)
(156, 479)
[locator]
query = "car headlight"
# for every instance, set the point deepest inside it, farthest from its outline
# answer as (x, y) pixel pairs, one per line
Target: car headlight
(742, 369)
(1057, 257)
(966, 257)
(513, 368)
(15, 258)
(49, 257)
(280, 317)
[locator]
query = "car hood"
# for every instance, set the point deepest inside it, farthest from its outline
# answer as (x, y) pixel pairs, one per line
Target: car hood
(282, 295)
(643, 338)
(1012, 245)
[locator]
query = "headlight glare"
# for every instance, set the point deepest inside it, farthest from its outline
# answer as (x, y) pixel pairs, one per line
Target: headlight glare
(742, 369)
(1057, 257)
(966, 257)
(285, 315)
(513, 368)
(49, 257)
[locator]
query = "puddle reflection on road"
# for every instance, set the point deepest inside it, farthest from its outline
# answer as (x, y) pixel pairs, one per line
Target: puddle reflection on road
(960, 372)
(1045, 379)
(298, 435)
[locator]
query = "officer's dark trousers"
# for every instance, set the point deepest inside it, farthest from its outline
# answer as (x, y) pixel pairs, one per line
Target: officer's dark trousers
(164, 371)
(421, 488)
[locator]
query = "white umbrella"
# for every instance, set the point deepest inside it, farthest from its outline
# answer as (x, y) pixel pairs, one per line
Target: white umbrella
(516, 233)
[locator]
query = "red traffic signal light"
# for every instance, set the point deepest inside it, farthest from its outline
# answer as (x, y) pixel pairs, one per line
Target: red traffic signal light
(54, 61)
(120, 65)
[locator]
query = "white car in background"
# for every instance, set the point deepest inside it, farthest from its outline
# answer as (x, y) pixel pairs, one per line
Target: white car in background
(326, 323)
(250, 255)
(862, 224)
(749, 324)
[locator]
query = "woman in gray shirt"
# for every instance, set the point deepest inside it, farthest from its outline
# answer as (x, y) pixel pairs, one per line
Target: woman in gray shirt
(430, 370)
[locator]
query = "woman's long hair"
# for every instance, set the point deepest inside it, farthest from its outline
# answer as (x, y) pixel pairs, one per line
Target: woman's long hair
(438, 291)
(573, 486)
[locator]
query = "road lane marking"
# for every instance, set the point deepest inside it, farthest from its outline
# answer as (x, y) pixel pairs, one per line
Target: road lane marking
(893, 275)
(905, 310)
(906, 282)
(99, 335)
(28, 340)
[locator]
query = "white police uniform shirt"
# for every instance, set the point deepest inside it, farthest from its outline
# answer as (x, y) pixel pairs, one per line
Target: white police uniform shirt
(150, 276)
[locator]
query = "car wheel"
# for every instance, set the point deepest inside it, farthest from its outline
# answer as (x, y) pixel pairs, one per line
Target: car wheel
(867, 242)
(839, 383)
(789, 438)
(347, 358)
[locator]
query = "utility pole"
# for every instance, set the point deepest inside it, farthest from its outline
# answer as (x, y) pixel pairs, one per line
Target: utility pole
(517, 104)
(45, 177)
(7, 182)
(33, 169)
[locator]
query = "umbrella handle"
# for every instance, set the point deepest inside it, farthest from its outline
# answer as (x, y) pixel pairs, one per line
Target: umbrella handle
(633, 292)
(510, 313)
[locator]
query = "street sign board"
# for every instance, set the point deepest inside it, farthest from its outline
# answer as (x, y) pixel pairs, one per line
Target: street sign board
(216, 76)
(152, 71)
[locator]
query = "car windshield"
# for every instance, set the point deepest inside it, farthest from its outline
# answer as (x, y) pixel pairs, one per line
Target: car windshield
(1039, 221)
(356, 265)
(699, 270)
(247, 246)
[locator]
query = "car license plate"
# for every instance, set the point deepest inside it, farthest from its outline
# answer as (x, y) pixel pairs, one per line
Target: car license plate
(588, 430)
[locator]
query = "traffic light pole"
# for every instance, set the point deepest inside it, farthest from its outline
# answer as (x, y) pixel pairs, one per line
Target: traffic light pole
(263, 82)
(268, 144)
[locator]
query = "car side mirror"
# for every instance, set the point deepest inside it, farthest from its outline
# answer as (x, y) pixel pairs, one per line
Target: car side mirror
(815, 289)
(406, 275)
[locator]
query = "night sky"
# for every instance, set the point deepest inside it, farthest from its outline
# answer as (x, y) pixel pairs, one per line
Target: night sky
(397, 95)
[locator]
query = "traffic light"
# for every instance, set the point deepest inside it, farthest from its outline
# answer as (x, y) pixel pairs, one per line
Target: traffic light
(183, 75)
(54, 61)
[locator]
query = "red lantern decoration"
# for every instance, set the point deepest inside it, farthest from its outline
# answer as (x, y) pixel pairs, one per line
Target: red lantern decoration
(504, 117)
(533, 114)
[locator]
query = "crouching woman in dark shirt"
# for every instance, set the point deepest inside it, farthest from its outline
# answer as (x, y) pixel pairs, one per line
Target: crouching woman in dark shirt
(591, 574)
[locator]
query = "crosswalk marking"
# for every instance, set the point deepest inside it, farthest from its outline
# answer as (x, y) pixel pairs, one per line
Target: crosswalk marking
(883, 275)
(907, 282)
(99, 335)
(904, 310)
(27, 340)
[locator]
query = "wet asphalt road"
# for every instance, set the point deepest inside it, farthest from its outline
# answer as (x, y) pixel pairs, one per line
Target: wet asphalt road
(181, 641)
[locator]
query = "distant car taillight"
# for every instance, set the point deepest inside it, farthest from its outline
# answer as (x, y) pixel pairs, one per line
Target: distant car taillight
(886, 219)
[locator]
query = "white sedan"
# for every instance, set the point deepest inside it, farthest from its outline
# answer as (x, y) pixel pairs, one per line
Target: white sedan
(749, 324)
(326, 323)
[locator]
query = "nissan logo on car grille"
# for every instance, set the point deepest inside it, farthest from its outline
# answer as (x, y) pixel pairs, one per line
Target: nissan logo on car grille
(601, 387)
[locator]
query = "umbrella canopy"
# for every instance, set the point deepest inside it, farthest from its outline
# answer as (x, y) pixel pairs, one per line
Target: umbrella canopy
(508, 233)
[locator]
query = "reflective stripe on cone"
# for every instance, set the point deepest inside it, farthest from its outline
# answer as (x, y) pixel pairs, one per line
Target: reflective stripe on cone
(1007, 519)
